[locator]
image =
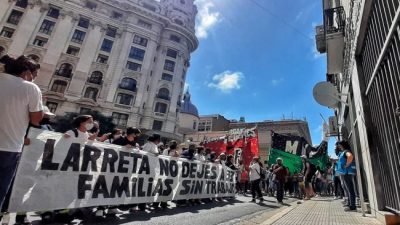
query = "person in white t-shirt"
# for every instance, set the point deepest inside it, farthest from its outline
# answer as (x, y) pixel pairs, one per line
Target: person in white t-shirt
(21, 104)
(79, 134)
(151, 145)
(200, 155)
(171, 150)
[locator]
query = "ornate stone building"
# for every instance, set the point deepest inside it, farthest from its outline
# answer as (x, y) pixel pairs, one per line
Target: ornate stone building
(127, 59)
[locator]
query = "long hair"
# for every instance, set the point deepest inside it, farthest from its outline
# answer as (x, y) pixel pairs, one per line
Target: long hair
(80, 119)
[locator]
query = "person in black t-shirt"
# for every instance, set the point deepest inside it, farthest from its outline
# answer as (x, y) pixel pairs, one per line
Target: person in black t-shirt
(129, 140)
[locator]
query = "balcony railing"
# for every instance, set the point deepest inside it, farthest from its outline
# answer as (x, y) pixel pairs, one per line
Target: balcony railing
(320, 38)
(335, 20)
(63, 73)
(94, 81)
(163, 97)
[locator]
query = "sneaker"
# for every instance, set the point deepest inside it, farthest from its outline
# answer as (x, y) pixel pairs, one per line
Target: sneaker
(350, 209)
(22, 220)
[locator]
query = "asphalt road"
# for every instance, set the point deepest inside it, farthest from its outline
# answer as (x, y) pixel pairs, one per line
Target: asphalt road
(226, 212)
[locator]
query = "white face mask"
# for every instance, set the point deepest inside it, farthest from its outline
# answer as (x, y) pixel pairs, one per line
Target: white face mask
(89, 126)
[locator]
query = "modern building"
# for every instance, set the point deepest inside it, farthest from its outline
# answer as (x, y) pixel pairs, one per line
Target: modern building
(288, 127)
(213, 122)
(361, 41)
(127, 59)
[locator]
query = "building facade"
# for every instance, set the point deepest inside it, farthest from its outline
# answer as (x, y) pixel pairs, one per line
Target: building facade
(188, 116)
(361, 41)
(214, 122)
(127, 59)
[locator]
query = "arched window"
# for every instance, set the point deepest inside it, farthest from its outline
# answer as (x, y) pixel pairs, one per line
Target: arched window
(96, 77)
(161, 107)
(22, 3)
(59, 86)
(163, 93)
(65, 70)
(128, 84)
(91, 93)
(124, 99)
(34, 57)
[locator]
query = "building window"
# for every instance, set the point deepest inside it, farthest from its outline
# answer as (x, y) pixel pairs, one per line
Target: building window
(47, 27)
(111, 32)
(194, 125)
(172, 53)
(133, 66)
(137, 54)
(157, 125)
(53, 13)
(91, 5)
(163, 93)
(106, 46)
(39, 41)
(91, 93)
(120, 119)
(205, 125)
(78, 36)
(102, 59)
(71, 50)
(169, 65)
(59, 86)
(22, 3)
(116, 15)
(85, 111)
(161, 107)
(167, 77)
(65, 70)
(144, 24)
(15, 17)
(128, 84)
(7, 32)
(34, 58)
(175, 38)
(124, 99)
(96, 77)
(140, 41)
(52, 106)
(83, 23)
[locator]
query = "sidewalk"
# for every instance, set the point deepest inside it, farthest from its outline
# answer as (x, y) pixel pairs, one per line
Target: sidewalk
(319, 211)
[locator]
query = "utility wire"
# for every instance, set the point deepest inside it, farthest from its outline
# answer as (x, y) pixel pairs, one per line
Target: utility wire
(280, 19)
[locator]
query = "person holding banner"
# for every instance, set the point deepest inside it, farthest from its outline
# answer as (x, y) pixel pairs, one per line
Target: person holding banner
(255, 178)
(129, 140)
(80, 133)
(21, 104)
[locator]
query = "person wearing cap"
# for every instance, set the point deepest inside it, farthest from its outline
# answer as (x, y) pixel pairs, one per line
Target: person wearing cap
(152, 144)
(280, 172)
(129, 140)
(255, 179)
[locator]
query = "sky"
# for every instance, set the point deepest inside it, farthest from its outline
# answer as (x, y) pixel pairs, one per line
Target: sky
(257, 59)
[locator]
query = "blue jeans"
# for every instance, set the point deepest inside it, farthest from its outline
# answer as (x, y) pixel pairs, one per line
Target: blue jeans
(8, 168)
(348, 180)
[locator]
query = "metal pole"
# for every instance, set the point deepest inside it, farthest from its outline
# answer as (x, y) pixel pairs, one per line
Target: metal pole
(359, 182)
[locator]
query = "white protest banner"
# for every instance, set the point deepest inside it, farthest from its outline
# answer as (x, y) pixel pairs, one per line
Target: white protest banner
(55, 173)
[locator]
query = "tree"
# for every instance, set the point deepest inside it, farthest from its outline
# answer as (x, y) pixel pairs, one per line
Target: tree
(64, 123)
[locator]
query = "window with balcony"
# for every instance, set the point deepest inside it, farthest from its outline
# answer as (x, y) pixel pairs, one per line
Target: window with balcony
(161, 108)
(124, 99)
(52, 106)
(175, 38)
(71, 50)
(15, 17)
(91, 93)
(65, 70)
(128, 84)
(133, 66)
(96, 77)
(53, 12)
(157, 125)
(22, 3)
(102, 59)
(83, 22)
(85, 111)
(167, 77)
(120, 119)
(107, 45)
(91, 5)
(47, 27)
(111, 32)
(163, 93)
(7, 32)
(78, 36)
(59, 86)
(136, 53)
(140, 40)
(116, 15)
(172, 53)
(169, 65)
(144, 24)
(39, 41)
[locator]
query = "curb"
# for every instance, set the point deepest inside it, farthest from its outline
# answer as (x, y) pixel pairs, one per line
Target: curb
(279, 213)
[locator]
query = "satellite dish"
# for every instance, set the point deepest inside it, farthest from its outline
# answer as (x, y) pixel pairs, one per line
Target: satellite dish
(326, 94)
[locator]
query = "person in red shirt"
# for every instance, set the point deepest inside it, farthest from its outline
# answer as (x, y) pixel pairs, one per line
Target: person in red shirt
(280, 172)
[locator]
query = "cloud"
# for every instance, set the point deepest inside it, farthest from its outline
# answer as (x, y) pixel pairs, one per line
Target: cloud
(276, 82)
(207, 17)
(227, 81)
(298, 16)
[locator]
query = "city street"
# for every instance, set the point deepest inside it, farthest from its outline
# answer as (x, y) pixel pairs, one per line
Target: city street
(226, 212)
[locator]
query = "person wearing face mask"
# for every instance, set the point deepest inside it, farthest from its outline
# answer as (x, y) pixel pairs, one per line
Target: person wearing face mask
(129, 140)
(200, 155)
(222, 159)
(79, 134)
(22, 104)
